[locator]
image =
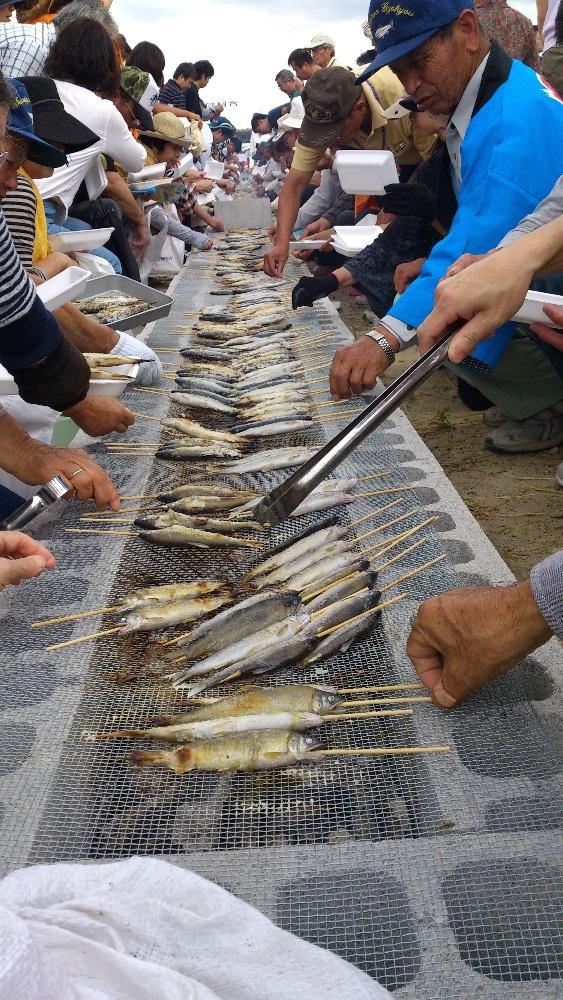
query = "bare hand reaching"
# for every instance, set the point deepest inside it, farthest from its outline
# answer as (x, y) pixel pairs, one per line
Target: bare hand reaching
(21, 558)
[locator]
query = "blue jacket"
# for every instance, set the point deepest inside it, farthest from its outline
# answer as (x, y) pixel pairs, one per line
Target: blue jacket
(511, 157)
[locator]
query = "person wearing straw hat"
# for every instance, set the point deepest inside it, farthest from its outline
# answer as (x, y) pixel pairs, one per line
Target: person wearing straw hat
(164, 143)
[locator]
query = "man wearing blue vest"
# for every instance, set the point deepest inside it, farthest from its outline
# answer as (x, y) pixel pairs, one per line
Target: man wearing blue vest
(505, 144)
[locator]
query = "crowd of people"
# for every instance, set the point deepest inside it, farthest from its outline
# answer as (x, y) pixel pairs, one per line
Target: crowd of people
(465, 97)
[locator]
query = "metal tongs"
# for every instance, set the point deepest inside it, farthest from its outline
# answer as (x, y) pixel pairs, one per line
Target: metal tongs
(54, 490)
(278, 505)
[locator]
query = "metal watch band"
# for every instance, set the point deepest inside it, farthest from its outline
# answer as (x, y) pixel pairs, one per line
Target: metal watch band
(383, 344)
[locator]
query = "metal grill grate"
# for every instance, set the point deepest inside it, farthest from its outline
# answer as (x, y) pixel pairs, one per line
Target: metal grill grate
(417, 870)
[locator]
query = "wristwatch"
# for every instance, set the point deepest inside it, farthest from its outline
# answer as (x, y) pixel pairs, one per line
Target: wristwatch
(384, 344)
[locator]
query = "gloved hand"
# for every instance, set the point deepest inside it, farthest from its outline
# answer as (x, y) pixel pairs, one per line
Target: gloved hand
(308, 290)
(151, 369)
(410, 199)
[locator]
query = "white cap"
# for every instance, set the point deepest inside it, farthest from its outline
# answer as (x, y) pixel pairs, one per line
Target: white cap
(321, 39)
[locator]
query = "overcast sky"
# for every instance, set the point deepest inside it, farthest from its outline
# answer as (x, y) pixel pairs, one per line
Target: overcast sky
(247, 42)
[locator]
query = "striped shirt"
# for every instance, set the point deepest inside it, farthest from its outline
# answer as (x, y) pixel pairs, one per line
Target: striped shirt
(19, 209)
(17, 292)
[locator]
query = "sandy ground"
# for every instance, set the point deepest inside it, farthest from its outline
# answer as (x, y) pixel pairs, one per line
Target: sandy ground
(514, 497)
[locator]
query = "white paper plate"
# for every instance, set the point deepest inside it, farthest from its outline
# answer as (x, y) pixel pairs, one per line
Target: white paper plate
(185, 164)
(88, 239)
(148, 173)
(531, 310)
(98, 387)
(357, 237)
(214, 170)
(63, 287)
(114, 386)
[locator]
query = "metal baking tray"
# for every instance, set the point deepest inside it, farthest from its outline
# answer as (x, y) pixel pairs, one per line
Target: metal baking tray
(158, 303)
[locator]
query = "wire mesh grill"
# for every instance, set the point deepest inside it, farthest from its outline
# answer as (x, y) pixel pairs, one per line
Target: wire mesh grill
(354, 854)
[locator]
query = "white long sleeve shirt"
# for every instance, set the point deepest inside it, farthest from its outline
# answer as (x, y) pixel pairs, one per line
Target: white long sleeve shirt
(115, 139)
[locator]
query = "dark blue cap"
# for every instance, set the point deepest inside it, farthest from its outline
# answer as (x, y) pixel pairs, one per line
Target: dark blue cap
(223, 124)
(398, 28)
(20, 125)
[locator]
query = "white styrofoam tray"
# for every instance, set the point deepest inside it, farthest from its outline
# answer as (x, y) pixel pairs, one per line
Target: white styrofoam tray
(98, 387)
(63, 287)
(365, 171)
(148, 173)
(531, 310)
(83, 240)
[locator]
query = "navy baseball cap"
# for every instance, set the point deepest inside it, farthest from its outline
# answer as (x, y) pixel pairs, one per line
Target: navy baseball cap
(223, 125)
(20, 125)
(397, 30)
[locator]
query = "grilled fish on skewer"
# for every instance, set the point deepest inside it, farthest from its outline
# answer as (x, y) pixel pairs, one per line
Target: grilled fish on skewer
(292, 698)
(342, 639)
(145, 619)
(172, 517)
(196, 402)
(270, 459)
(311, 542)
(262, 662)
(186, 732)
(192, 427)
(169, 592)
(239, 621)
(252, 751)
(341, 590)
(180, 536)
(204, 490)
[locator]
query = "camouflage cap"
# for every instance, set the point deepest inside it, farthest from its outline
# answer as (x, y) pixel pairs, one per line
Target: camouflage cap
(140, 88)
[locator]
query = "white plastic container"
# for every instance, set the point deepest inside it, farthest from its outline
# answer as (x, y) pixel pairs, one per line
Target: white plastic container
(214, 170)
(356, 237)
(63, 287)
(148, 173)
(365, 171)
(531, 310)
(88, 239)
(186, 163)
(98, 387)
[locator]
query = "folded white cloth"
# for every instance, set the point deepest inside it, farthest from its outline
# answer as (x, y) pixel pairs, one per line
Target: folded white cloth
(144, 929)
(151, 369)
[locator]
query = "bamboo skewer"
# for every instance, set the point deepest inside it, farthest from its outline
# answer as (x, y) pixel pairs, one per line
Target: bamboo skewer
(141, 496)
(399, 538)
(383, 751)
(374, 513)
(342, 716)
(98, 531)
(388, 524)
(82, 638)
(380, 687)
(364, 614)
(139, 388)
(410, 699)
(385, 492)
(413, 572)
(76, 617)
(145, 416)
(399, 556)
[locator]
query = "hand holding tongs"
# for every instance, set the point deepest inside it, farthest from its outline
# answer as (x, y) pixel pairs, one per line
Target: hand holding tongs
(283, 500)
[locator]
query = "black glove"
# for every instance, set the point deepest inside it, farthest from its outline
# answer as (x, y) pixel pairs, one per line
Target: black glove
(308, 290)
(410, 199)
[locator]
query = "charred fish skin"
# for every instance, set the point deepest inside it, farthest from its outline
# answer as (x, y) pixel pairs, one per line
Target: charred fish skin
(252, 751)
(169, 592)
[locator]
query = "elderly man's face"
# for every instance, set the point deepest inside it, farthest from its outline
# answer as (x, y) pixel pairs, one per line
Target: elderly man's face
(322, 54)
(286, 86)
(436, 73)
(16, 153)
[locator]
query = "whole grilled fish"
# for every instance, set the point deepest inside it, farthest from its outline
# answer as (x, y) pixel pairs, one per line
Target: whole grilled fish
(323, 501)
(293, 568)
(292, 698)
(278, 427)
(145, 619)
(279, 632)
(204, 490)
(336, 576)
(206, 353)
(197, 430)
(193, 401)
(179, 536)
(205, 504)
(343, 610)
(317, 572)
(272, 458)
(169, 592)
(182, 452)
(172, 517)
(311, 542)
(342, 639)
(262, 662)
(186, 732)
(252, 751)
(237, 622)
(360, 581)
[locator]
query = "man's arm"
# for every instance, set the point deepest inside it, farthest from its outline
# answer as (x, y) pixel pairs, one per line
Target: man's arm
(549, 209)
(541, 8)
(290, 196)
(489, 292)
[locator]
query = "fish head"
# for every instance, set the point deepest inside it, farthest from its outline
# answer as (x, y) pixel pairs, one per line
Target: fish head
(292, 599)
(145, 522)
(323, 700)
(300, 744)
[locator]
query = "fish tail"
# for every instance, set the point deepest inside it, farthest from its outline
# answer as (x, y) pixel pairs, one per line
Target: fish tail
(144, 758)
